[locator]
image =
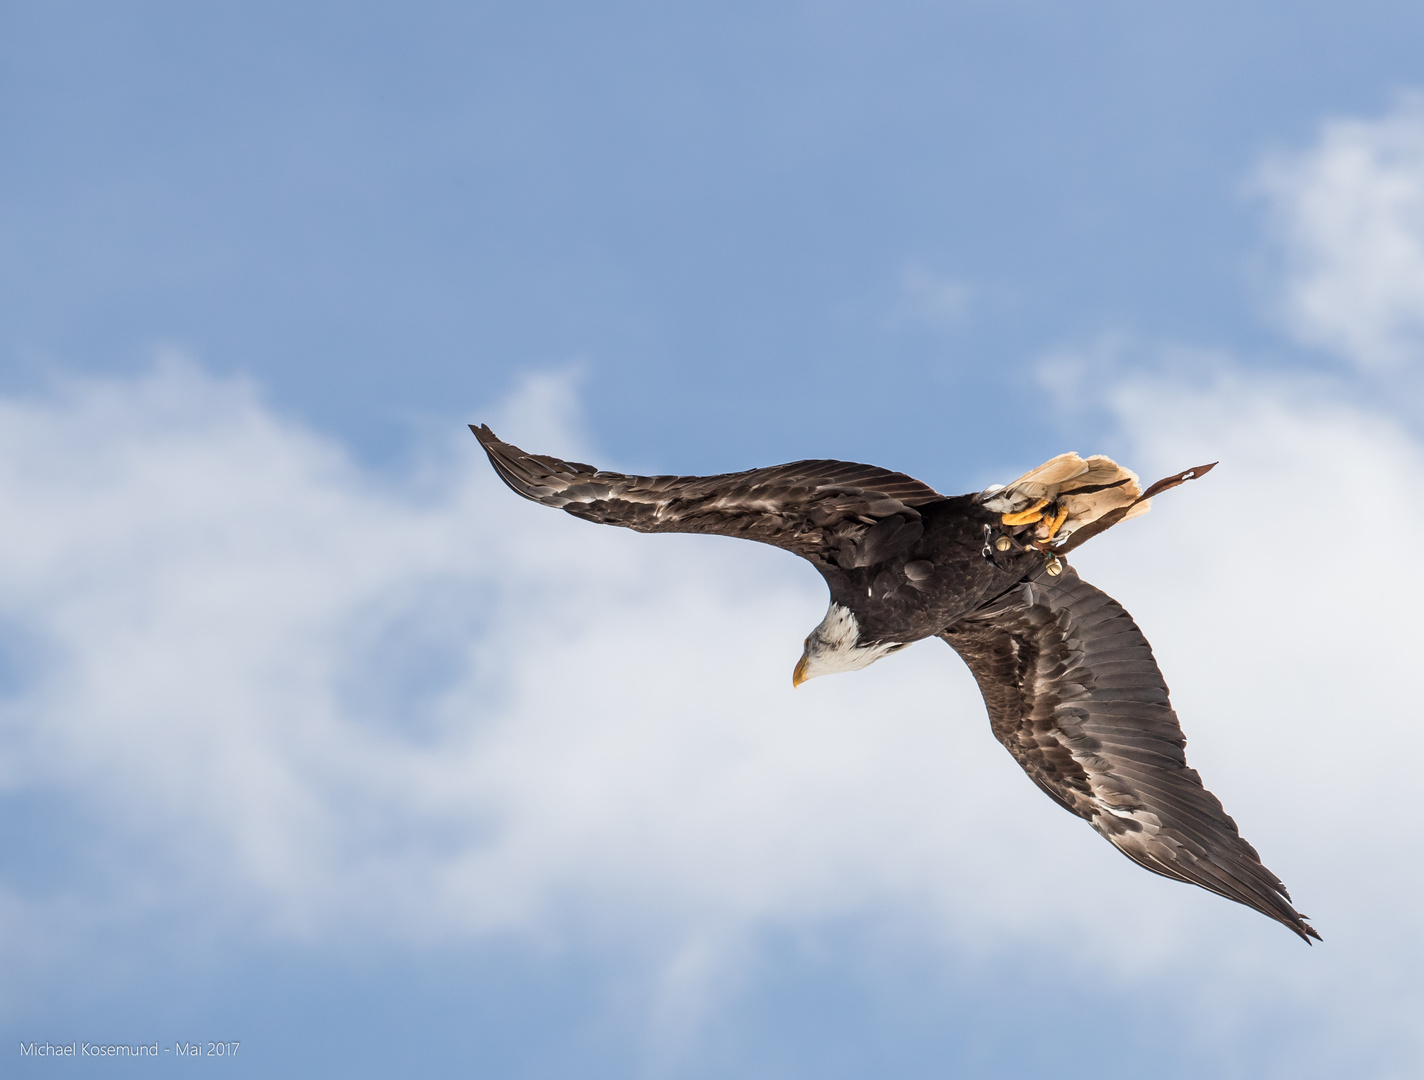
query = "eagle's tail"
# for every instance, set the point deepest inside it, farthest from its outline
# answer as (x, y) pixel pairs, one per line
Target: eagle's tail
(1068, 499)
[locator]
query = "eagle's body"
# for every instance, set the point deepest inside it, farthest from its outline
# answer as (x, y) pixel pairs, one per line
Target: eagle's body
(934, 583)
(1071, 686)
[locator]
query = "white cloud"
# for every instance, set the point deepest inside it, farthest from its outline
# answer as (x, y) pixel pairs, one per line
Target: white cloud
(425, 709)
(441, 709)
(1350, 214)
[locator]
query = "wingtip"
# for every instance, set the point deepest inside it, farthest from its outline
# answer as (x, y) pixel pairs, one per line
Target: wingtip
(484, 434)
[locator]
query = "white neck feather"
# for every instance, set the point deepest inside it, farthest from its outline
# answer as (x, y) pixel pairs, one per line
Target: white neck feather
(834, 645)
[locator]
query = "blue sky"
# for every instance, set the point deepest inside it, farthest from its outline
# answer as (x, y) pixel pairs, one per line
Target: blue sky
(314, 737)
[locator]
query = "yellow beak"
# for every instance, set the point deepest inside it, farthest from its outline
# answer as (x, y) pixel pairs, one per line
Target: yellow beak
(798, 676)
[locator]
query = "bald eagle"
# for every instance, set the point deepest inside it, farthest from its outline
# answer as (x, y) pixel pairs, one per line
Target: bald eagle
(1072, 689)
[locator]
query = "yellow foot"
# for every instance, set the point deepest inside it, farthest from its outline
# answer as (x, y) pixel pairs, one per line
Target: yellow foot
(1026, 517)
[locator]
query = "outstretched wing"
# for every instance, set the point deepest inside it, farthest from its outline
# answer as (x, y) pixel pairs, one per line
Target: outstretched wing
(1075, 695)
(835, 513)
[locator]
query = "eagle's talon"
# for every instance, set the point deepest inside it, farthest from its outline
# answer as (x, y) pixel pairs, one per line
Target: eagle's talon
(1058, 520)
(1026, 517)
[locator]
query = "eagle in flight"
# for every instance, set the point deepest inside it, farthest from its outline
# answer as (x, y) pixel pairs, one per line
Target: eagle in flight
(1072, 689)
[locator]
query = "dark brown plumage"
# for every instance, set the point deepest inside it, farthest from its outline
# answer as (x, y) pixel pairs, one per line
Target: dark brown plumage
(1075, 695)
(1072, 688)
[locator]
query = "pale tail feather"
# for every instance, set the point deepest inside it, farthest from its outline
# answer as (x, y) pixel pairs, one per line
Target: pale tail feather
(1088, 488)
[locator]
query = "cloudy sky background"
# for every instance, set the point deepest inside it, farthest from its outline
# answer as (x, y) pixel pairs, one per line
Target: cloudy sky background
(315, 737)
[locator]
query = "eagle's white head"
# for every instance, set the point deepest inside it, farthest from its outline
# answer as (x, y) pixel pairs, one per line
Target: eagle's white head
(835, 646)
